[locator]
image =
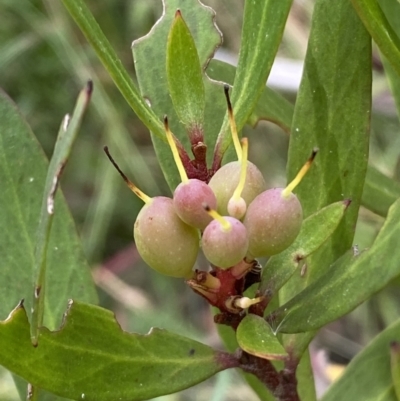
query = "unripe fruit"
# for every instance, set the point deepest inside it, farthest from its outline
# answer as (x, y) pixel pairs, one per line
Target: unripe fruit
(224, 242)
(226, 179)
(273, 222)
(164, 241)
(189, 198)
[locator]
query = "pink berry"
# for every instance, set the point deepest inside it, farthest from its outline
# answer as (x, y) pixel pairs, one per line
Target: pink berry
(189, 198)
(225, 247)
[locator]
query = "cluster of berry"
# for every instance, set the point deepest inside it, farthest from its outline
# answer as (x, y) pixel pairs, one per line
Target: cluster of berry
(232, 218)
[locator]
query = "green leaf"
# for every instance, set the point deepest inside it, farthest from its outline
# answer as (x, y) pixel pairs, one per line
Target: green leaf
(391, 10)
(333, 102)
(380, 192)
(65, 140)
(271, 105)
(150, 54)
(262, 30)
(305, 378)
(108, 364)
(255, 336)
(381, 31)
(368, 377)
(315, 230)
(395, 366)
(23, 169)
(184, 74)
(95, 36)
(349, 282)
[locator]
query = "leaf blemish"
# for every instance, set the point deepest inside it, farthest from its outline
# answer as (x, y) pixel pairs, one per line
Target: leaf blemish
(192, 351)
(298, 257)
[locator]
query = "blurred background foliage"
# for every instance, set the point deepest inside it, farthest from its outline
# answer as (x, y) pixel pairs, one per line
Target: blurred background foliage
(44, 61)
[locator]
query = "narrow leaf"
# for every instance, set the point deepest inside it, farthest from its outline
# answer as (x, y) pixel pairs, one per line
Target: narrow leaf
(256, 337)
(380, 192)
(65, 140)
(150, 55)
(100, 362)
(315, 230)
(305, 378)
(381, 31)
(262, 30)
(368, 377)
(349, 282)
(95, 36)
(332, 112)
(184, 74)
(391, 10)
(23, 169)
(331, 104)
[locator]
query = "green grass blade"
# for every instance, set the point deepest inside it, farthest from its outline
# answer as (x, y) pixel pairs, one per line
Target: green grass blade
(86, 22)
(65, 140)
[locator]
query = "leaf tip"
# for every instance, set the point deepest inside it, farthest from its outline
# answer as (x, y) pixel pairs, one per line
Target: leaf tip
(347, 203)
(89, 88)
(178, 13)
(20, 304)
(395, 348)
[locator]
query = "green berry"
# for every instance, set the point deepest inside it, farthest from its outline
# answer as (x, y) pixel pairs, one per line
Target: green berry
(164, 241)
(273, 222)
(226, 179)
